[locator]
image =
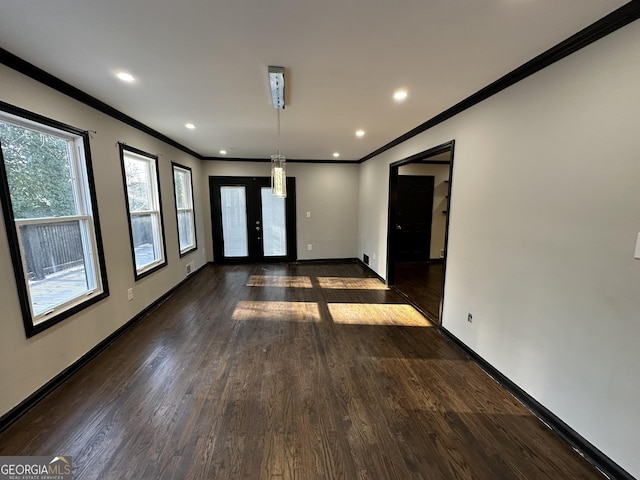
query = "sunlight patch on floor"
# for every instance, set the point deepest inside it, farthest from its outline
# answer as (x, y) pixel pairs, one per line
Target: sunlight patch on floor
(351, 283)
(279, 281)
(377, 314)
(303, 312)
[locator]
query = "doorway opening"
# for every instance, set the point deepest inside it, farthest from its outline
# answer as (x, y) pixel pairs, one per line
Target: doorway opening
(249, 223)
(419, 206)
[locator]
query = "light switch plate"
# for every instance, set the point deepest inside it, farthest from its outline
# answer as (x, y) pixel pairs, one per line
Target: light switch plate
(637, 254)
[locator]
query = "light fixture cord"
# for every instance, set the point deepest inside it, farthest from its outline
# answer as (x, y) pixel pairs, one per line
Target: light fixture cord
(278, 137)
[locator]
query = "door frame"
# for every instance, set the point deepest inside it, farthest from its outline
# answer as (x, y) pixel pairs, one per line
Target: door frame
(257, 183)
(423, 158)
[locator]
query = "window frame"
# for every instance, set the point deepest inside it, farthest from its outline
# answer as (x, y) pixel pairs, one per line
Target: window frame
(156, 195)
(87, 205)
(191, 248)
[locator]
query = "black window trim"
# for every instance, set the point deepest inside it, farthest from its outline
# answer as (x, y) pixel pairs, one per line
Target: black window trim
(32, 329)
(124, 147)
(193, 209)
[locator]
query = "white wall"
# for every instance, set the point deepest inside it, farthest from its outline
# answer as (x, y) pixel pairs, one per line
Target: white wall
(329, 192)
(27, 364)
(440, 201)
(544, 216)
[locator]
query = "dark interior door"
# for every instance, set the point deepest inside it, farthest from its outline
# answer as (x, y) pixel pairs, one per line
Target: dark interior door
(413, 218)
(249, 223)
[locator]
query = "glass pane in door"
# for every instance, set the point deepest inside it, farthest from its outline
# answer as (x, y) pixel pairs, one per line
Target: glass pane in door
(274, 226)
(233, 201)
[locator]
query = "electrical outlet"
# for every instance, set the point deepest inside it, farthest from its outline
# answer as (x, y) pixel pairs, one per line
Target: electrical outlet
(308, 214)
(309, 247)
(130, 294)
(470, 318)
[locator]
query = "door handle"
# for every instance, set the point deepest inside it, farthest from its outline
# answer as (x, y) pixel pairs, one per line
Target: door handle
(258, 228)
(398, 227)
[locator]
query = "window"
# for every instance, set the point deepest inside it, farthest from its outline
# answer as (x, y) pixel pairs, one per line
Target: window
(183, 187)
(50, 212)
(146, 229)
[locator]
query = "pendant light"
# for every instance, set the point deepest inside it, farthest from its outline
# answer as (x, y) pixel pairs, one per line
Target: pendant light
(278, 161)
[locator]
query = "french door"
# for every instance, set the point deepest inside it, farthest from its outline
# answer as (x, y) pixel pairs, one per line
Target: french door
(249, 223)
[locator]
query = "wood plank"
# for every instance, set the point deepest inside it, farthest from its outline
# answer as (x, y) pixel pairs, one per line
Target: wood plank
(422, 283)
(245, 373)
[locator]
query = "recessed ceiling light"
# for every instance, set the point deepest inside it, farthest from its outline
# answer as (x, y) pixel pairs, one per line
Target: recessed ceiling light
(223, 152)
(125, 77)
(336, 154)
(400, 95)
(190, 126)
(360, 133)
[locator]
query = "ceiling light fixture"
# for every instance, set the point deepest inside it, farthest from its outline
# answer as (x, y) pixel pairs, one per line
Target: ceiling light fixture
(278, 162)
(125, 77)
(223, 152)
(336, 155)
(276, 85)
(360, 133)
(190, 126)
(400, 95)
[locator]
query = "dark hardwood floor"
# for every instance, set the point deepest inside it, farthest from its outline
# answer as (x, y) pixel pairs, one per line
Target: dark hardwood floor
(283, 371)
(421, 282)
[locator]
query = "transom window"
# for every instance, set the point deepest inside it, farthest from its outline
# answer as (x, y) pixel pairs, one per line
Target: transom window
(183, 187)
(146, 229)
(51, 218)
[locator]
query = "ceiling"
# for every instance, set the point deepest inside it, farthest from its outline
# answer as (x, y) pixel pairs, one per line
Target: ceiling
(205, 62)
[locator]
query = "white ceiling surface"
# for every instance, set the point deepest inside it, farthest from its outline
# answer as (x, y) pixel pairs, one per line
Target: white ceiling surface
(205, 62)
